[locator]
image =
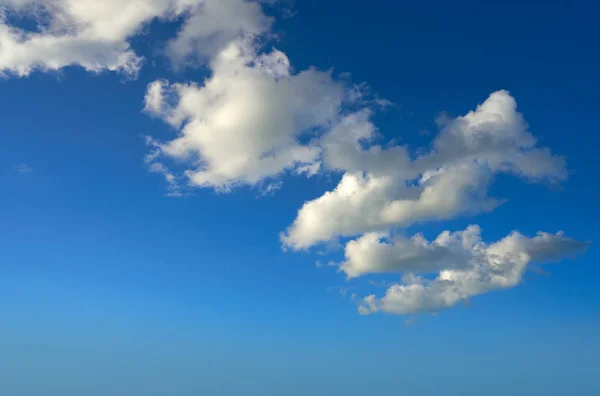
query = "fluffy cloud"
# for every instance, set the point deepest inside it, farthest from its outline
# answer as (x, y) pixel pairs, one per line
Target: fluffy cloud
(384, 188)
(494, 134)
(244, 123)
(364, 203)
(343, 149)
(469, 266)
(219, 23)
(378, 253)
(95, 34)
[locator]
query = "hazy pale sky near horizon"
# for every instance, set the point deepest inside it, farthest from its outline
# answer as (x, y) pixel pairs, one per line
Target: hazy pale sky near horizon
(303, 197)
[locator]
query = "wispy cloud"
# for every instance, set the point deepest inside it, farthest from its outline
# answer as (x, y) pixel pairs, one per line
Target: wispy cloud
(23, 169)
(343, 291)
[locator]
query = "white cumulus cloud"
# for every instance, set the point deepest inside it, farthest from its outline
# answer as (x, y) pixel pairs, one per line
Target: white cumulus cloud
(468, 267)
(244, 123)
(96, 34)
(379, 253)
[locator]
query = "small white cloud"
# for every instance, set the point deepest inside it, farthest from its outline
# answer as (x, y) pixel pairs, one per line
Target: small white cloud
(319, 264)
(343, 291)
(23, 168)
(271, 188)
(442, 119)
(173, 187)
(378, 284)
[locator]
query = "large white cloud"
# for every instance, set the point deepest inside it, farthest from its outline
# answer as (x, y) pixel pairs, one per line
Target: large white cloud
(468, 266)
(243, 124)
(384, 187)
(96, 34)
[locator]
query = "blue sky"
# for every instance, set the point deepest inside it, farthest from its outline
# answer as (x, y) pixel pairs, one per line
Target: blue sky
(136, 263)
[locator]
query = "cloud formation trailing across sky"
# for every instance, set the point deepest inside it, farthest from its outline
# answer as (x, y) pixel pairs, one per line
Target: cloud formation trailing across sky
(467, 266)
(255, 118)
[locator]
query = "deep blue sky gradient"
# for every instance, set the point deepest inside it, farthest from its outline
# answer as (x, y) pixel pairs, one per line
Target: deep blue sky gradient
(109, 288)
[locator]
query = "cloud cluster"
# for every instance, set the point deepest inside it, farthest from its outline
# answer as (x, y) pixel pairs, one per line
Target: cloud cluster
(386, 188)
(254, 118)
